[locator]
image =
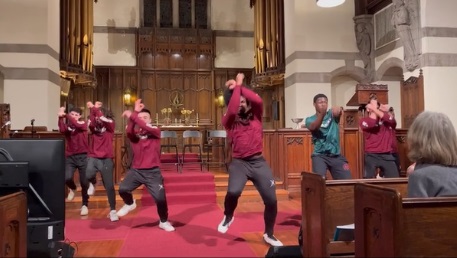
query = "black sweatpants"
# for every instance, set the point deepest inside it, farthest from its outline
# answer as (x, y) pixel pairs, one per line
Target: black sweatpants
(73, 162)
(336, 164)
(153, 180)
(105, 166)
(384, 161)
(258, 171)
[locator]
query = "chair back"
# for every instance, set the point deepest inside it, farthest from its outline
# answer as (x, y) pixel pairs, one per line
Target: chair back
(217, 134)
(168, 134)
(189, 134)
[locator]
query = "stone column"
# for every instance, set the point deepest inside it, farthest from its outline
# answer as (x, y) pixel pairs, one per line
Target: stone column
(29, 61)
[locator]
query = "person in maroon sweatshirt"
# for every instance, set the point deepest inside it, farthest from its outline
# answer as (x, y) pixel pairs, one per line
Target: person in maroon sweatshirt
(243, 122)
(100, 157)
(76, 148)
(145, 143)
(377, 132)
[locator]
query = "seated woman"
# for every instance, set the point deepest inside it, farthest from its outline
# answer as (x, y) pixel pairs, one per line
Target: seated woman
(432, 142)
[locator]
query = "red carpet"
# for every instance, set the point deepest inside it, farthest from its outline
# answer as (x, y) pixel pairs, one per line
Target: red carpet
(195, 236)
(196, 233)
(190, 186)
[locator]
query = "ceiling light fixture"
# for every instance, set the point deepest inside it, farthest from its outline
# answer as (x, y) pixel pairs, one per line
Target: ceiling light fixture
(329, 3)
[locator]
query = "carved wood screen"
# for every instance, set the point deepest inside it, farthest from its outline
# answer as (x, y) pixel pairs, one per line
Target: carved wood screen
(412, 99)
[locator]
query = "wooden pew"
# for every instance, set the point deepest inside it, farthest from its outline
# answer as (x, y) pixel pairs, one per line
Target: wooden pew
(388, 225)
(327, 204)
(13, 225)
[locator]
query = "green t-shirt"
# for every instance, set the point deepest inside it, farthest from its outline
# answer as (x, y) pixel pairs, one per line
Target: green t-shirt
(326, 140)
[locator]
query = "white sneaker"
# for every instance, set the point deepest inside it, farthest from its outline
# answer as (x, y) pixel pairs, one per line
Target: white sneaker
(273, 241)
(91, 189)
(223, 226)
(113, 215)
(71, 195)
(84, 210)
(166, 226)
(126, 209)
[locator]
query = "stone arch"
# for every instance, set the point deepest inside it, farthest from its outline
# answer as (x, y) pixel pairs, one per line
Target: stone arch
(343, 85)
(388, 64)
(355, 73)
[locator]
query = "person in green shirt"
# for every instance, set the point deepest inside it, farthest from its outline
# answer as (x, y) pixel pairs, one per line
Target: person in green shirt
(326, 140)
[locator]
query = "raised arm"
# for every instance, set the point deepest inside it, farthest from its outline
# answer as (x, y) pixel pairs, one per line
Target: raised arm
(79, 125)
(62, 126)
(255, 100)
(107, 123)
(153, 130)
(316, 124)
(389, 120)
(130, 130)
(91, 121)
(232, 108)
(368, 123)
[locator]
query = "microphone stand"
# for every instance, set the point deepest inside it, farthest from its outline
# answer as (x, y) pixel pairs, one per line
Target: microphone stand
(33, 129)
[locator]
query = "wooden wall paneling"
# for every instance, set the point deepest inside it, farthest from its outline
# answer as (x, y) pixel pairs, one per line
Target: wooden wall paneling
(163, 88)
(79, 95)
(190, 50)
(116, 101)
(205, 97)
(402, 147)
(351, 151)
(176, 50)
(297, 153)
(162, 49)
(145, 48)
(412, 99)
(101, 91)
(206, 50)
(148, 93)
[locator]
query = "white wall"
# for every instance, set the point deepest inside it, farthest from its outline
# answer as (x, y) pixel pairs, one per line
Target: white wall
(233, 16)
(310, 28)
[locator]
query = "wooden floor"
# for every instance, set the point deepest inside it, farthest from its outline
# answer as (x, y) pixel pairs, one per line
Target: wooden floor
(111, 248)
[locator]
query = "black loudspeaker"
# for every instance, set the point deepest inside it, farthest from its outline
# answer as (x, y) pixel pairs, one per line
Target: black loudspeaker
(53, 249)
(284, 251)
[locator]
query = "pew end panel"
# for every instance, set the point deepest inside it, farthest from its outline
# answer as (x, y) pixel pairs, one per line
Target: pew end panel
(376, 208)
(313, 215)
(388, 225)
(13, 225)
(327, 204)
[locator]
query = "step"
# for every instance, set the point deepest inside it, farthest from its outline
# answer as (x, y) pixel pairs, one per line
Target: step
(97, 202)
(184, 198)
(100, 190)
(222, 186)
(254, 196)
(187, 177)
(189, 186)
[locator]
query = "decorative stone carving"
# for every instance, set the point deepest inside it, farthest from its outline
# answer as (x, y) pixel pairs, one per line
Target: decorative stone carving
(364, 34)
(406, 21)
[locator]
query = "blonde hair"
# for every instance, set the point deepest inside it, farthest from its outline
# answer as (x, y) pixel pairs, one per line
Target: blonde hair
(432, 139)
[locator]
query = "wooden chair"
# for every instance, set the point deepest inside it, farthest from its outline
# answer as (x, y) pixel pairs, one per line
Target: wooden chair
(216, 139)
(189, 139)
(171, 138)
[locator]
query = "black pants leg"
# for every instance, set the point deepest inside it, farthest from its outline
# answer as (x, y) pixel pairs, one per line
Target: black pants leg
(131, 182)
(106, 171)
(81, 161)
(70, 168)
(262, 177)
(238, 171)
(153, 180)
